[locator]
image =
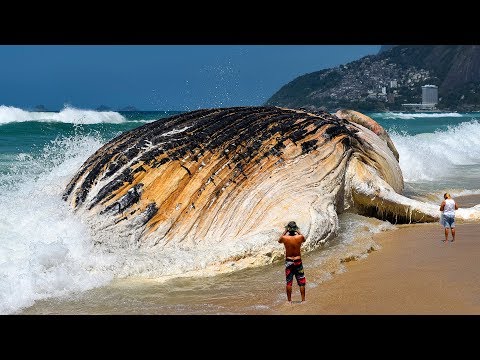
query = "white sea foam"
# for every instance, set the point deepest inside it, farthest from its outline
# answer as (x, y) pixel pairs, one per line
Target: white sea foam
(441, 155)
(465, 192)
(44, 249)
(398, 115)
(10, 114)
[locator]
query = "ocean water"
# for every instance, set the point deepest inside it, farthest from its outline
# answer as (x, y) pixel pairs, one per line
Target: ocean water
(49, 265)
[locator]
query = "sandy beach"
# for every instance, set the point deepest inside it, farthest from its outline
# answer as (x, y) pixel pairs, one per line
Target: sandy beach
(414, 272)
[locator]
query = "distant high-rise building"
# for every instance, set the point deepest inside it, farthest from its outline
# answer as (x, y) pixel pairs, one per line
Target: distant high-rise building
(429, 94)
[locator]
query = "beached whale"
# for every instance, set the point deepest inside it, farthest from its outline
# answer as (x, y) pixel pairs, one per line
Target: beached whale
(224, 182)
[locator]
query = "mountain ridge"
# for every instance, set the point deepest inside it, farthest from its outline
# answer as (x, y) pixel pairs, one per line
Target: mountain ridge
(389, 79)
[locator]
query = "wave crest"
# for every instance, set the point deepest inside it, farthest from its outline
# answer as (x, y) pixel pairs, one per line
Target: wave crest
(408, 116)
(10, 114)
(439, 155)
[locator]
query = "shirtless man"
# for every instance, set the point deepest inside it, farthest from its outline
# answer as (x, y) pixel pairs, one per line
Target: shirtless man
(293, 262)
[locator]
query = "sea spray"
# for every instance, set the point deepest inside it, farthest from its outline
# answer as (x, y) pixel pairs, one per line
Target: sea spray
(10, 114)
(411, 116)
(45, 250)
(437, 156)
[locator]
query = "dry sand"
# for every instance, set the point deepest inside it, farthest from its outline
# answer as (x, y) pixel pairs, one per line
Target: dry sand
(413, 273)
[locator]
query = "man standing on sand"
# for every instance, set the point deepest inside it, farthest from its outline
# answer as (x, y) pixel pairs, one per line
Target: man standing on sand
(293, 262)
(448, 207)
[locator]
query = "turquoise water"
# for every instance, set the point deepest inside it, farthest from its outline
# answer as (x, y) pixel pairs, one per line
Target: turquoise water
(46, 251)
(30, 136)
(418, 123)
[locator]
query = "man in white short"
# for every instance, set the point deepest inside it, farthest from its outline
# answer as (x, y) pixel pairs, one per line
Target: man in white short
(448, 207)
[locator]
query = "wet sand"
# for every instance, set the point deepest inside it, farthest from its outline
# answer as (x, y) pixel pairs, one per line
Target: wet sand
(413, 273)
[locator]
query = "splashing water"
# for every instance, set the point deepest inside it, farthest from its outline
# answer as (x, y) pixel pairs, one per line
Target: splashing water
(10, 114)
(44, 249)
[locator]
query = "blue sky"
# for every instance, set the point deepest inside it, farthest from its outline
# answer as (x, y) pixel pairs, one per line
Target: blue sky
(158, 77)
